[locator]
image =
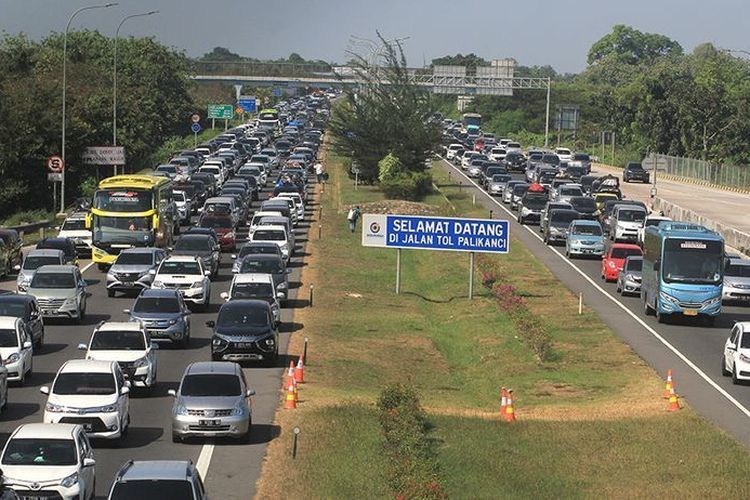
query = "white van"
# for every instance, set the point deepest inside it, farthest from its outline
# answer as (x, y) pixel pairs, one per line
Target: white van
(625, 222)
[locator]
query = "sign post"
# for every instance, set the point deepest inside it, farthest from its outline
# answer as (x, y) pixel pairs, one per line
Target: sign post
(436, 233)
(55, 167)
(195, 127)
(247, 103)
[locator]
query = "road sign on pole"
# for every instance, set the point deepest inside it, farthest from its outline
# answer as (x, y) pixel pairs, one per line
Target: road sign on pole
(54, 176)
(55, 164)
(221, 111)
(247, 103)
(195, 127)
(195, 118)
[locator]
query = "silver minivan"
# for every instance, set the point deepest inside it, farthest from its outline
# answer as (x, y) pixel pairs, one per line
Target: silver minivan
(60, 292)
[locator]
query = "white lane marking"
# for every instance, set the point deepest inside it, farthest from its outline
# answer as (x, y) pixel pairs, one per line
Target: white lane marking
(204, 460)
(653, 332)
(85, 268)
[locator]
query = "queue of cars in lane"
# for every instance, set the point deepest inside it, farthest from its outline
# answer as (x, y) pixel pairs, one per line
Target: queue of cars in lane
(89, 398)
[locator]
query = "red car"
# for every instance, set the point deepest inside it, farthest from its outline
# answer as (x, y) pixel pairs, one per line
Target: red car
(614, 258)
(224, 230)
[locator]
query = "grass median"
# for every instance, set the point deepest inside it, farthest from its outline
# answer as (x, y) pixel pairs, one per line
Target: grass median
(591, 420)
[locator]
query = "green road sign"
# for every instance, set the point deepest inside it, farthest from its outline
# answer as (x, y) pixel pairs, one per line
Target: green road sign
(221, 111)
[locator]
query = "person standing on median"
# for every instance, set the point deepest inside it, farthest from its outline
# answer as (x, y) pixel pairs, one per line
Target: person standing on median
(352, 217)
(319, 171)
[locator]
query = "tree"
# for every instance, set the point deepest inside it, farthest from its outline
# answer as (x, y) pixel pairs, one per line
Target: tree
(630, 46)
(471, 61)
(221, 54)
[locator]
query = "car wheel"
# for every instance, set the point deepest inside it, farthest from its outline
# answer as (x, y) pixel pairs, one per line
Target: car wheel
(647, 309)
(176, 438)
(724, 370)
(245, 439)
(735, 380)
(110, 292)
(619, 289)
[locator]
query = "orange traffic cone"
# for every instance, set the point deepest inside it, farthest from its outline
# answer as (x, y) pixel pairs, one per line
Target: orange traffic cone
(510, 415)
(669, 385)
(299, 372)
(503, 402)
(290, 403)
(296, 390)
(289, 374)
(674, 403)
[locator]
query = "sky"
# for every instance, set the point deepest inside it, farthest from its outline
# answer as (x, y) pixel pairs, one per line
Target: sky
(534, 32)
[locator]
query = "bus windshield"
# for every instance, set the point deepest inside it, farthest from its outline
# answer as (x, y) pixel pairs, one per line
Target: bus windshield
(692, 261)
(123, 200)
(122, 229)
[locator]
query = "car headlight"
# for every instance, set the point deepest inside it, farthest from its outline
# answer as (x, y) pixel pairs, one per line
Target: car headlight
(712, 301)
(172, 322)
(281, 286)
(270, 341)
(197, 284)
(70, 481)
(744, 358)
(103, 409)
(53, 408)
(180, 410)
(630, 277)
(11, 359)
(71, 301)
(229, 235)
(667, 297)
(240, 410)
(157, 284)
(140, 362)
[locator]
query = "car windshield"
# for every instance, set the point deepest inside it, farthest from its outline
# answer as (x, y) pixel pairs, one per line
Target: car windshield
(211, 384)
(193, 244)
(520, 189)
(83, 383)
(581, 157)
(53, 280)
(562, 219)
(127, 340)
(242, 316)
(501, 178)
(33, 262)
(252, 290)
(269, 235)
(259, 249)
(696, 261)
(152, 489)
(631, 215)
(570, 191)
(635, 166)
(587, 230)
(178, 196)
(53, 452)
(534, 201)
(180, 267)
(738, 271)
(551, 159)
(8, 338)
(622, 253)
(74, 225)
(634, 265)
(156, 305)
(264, 266)
(134, 259)
(216, 222)
(250, 171)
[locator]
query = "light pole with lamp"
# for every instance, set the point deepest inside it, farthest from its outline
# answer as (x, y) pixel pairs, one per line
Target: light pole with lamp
(64, 75)
(114, 77)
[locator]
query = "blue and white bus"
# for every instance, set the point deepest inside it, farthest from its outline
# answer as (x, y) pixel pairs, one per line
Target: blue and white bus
(682, 271)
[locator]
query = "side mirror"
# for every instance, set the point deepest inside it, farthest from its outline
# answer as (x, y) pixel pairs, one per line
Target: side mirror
(126, 311)
(27, 345)
(83, 347)
(210, 323)
(207, 272)
(224, 295)
(89, 462)
(280, 295)
(17, 267)
(172, 393)
(125, 390)
(44, 389)
(234, 256)
(250, 392)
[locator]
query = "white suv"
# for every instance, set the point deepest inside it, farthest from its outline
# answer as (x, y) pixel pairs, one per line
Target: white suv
(275, 234)
(255, 286)
(299, 204)
(185, 273)
(91, 393)
(129, 344)
(49, 461)
(74, 227)
(16, 348)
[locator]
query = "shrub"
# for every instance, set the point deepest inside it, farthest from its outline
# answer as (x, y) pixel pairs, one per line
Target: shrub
(407, 185)
(27, 217)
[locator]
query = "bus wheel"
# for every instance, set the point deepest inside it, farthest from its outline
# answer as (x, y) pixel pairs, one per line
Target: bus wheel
(660, 317)
(647, 309)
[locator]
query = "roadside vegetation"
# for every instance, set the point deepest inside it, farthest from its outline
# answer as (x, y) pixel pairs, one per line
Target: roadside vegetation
(591, 420)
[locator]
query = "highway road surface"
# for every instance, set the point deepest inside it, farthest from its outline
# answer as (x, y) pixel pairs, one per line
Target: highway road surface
(230, 470)
(693, 352)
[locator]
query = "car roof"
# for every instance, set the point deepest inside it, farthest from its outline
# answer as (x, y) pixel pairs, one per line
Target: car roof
(44, 431)
(76, 215)
(87, 365)
(157, 292)
(150, 250)
(155, 469)
(45, 252)
(8, 321)
(629, 246)
(253, 278)
(57, 268)
(214, 366)
(118, 326)
(18, 297)
(181, 258)
(274, 227)
(586, 222)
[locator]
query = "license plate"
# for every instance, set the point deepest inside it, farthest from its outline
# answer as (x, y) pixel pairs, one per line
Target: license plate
(48, 312)
(127, 283)
(690, 312)
(209, 423)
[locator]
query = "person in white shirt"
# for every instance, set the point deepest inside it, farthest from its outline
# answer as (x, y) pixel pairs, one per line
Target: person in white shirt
(319, 171)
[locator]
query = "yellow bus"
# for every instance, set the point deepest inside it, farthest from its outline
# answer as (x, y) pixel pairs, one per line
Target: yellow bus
(131, 211)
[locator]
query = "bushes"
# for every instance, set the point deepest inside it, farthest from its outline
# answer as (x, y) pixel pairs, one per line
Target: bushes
(413, 472)
(27, 217)
(408, 186)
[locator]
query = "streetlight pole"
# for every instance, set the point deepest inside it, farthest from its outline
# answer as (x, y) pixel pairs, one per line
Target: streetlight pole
(64, 75)
(114, 77)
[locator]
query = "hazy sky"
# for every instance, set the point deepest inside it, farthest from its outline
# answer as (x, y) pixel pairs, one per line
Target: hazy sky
(535, 32)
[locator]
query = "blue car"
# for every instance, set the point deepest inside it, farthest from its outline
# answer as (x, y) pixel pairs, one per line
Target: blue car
(164, 314)
(584, 238)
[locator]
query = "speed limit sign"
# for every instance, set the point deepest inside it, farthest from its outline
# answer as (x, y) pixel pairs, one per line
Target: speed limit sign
(196, 118)
(55, 164)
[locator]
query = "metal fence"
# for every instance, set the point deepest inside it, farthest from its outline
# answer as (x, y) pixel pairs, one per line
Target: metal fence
(691, 168)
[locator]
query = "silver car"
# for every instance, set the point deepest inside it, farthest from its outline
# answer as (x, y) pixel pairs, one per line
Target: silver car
(134, 269)
(35, 259)
(496, 186)
(737, 281)
(629, 279)
(213, 400)
(60, 292)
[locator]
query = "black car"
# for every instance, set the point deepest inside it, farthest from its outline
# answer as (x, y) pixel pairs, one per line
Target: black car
(268, 264)
(245, 330)
(67, 245)
(203, 230)
(11, 254)
(586, 183)
(575, 172)
(635, 172)
(26, 308)
(515, 161)
(202, 246)
(583, 160)
(585, 206)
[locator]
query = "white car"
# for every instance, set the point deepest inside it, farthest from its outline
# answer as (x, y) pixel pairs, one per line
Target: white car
(214, 168)
(49, 461)
(185, 273)
(275, 234)
(255, 286)
(450, 151)
(257, 216)
(128, 343)
(298, 202)
(184, 206)
(256, 170)
(34, 259)
(625, 222)
(650, 220)
(91, 393)
(736, 360)
(564, 154)
(513, 147)
(16, 349)
(497, 154)
(467, 157)
(74, 227)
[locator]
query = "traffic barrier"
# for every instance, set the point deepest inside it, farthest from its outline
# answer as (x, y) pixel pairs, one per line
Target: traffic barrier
(674, 403)
(299, 371)
(503, 401)
(290, 403)
(510, 414)
(669, 385)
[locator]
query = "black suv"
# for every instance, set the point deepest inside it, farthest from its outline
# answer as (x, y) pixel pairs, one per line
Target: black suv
(26, 308)
(11, 254)
(635, 172)
(245, 330)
